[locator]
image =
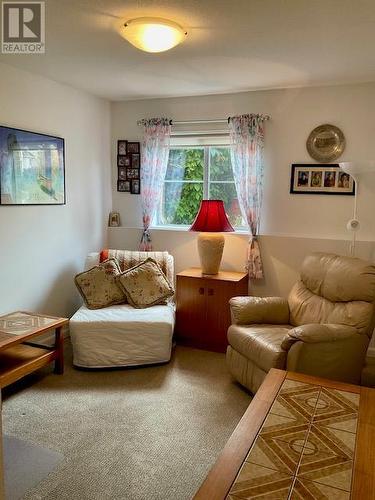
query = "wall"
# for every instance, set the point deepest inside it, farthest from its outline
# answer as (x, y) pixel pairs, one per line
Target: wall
(292, 225)
(42, 248)
(282, 255)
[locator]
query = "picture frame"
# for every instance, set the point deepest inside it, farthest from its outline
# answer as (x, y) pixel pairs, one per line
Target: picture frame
(135, 186)
(135, 160)
(123, 186)
(122, 174)
(317, 178)
(32, 168)
(133, 147)
(132, 173)
(122, 148)
(114, 219)
(123, 161)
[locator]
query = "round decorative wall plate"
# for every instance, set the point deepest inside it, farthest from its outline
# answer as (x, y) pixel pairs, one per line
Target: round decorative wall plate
(325, 143)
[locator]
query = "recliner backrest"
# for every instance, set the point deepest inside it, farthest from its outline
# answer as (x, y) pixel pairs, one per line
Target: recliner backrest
(334, 289)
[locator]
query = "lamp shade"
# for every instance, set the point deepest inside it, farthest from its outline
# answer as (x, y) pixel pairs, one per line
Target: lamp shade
(211, 218)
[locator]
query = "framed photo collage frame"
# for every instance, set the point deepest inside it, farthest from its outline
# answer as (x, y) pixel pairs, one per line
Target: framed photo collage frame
(128, 166)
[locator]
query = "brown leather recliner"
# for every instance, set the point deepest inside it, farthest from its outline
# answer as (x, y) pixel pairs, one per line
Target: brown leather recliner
(323, 329)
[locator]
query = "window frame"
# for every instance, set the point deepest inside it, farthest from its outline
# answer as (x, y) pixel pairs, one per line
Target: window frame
(195, 143)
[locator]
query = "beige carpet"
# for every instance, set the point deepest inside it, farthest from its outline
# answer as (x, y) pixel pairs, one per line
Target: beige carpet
(145, 433)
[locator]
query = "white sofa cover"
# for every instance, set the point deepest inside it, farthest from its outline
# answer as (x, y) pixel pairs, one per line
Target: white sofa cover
(121, 335)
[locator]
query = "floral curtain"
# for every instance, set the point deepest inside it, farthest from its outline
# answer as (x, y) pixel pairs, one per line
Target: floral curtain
(155, 152)
(247, 145)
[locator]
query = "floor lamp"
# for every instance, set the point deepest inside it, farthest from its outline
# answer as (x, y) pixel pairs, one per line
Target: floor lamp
(356, 169)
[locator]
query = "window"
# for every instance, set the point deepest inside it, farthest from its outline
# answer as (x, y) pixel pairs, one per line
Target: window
(195, 173)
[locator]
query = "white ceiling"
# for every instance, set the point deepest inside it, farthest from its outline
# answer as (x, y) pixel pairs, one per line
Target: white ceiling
(232, 45)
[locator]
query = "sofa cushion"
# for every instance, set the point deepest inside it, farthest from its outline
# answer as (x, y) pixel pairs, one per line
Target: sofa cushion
(260, 343)
(145, 284)
(98, 285)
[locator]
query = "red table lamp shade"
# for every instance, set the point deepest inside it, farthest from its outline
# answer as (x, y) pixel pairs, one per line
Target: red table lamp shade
(211, 218)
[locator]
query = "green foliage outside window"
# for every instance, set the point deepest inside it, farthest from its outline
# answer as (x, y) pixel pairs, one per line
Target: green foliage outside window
(184, 186)
(182, 199)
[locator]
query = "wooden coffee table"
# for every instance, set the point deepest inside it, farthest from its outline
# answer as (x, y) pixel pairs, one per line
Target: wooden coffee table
(301, 437)
(19, 356)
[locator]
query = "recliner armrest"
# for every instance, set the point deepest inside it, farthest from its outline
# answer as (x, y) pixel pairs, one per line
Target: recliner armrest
(318, 332)
(250, 310)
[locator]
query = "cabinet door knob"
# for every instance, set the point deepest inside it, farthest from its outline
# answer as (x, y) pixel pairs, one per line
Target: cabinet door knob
(210, 291)
(201, 290)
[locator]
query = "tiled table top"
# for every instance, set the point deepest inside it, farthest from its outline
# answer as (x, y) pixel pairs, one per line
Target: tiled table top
(21, 323)
(305, 448)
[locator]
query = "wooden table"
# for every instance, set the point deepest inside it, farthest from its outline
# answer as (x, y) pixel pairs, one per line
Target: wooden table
(301, 437)
(18, 355)
(202, 307)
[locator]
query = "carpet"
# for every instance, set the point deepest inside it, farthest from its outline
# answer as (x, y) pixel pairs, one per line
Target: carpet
(25, 464)
(134, 434)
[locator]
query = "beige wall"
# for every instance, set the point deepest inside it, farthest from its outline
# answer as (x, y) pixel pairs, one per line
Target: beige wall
(292, 225)
(282, 256)
(42, 248)
(294, 113)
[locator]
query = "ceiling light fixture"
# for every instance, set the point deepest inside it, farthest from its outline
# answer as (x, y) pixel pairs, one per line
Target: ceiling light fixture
(153, 34)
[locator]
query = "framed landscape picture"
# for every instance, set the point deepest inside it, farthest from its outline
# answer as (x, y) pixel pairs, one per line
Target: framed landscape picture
(311, 178)
(32, 169)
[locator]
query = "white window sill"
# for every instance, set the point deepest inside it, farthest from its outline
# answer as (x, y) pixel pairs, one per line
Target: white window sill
(186, 229)
(183, 229)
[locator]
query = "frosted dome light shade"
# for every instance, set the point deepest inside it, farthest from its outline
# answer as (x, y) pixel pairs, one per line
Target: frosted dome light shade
(153, 34)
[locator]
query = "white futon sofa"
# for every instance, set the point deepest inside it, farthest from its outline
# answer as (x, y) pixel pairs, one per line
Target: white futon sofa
(121, 335)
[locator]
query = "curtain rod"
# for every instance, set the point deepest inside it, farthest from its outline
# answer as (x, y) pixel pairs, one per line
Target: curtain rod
(197, 122)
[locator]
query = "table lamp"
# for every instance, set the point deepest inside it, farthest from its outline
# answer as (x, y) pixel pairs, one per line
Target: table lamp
(211, 221)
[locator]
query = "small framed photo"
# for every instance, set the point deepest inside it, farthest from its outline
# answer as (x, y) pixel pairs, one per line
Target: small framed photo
(121, 147)
(311, 178)
(123, 186)
(123, 161)
(135, 160)
(114, 219)
(132, 173)
(135, 186)
(133, 147)
(122, 173)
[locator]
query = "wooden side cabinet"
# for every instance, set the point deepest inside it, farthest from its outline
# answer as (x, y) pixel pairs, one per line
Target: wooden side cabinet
(203, 314)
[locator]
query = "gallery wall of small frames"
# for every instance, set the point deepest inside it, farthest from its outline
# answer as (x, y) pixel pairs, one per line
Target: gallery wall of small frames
(128, 167)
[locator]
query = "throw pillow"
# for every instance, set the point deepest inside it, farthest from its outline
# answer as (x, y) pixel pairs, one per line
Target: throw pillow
(145, 284)
(99, 287)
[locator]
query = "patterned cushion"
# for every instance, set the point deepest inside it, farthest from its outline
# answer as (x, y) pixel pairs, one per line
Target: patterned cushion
(145, 284)
(99, 287)
(130, 258)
